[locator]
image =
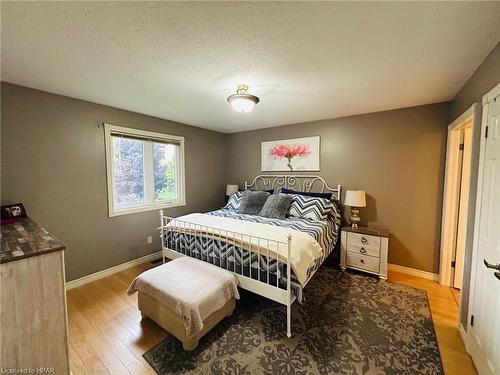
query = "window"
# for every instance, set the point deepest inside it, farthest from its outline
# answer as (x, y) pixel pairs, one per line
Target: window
(145, 170)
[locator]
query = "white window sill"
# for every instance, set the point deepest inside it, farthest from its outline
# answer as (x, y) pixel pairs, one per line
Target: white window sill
(151, 207)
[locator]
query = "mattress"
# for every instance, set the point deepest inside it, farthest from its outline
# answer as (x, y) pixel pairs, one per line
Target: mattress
(230, 256)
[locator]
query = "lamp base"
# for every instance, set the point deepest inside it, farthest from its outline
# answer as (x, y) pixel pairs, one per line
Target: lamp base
(355, 219)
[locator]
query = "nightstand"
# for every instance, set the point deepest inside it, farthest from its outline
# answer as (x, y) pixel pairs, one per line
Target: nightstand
(364, 249)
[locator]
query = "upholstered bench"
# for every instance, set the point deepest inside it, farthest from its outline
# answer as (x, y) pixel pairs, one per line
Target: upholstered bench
(186, 297)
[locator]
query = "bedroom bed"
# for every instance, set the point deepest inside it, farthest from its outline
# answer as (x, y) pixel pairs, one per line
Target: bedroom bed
(260, 251)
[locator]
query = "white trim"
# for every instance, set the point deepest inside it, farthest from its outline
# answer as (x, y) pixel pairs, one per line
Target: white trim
(493, 93)
(110, 271)
(463, 335)
(464, 116)
(149, 189)
(414, 272)
(145, 208)
(451, 193)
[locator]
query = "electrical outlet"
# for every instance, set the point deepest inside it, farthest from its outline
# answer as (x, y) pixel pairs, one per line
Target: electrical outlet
(150, 240)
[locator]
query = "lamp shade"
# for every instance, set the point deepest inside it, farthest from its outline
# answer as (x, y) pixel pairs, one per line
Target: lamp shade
(355, 198)
(230, 189)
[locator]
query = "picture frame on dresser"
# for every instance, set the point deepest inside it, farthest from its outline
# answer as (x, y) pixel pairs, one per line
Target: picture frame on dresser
(364, 249)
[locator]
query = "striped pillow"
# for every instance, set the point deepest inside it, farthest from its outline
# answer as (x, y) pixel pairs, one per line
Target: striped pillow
(233, 203)
(313, 208)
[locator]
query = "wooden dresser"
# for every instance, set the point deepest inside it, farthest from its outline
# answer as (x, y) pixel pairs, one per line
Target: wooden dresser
(365, 249)
(33, 301)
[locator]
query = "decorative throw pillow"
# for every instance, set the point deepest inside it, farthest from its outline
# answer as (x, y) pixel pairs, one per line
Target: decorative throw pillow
(276, 206)
(311, 208)
(307, 193)
(234, 200)
(252, 202)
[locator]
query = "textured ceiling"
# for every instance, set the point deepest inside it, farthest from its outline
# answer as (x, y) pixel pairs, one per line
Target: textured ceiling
(306, 61)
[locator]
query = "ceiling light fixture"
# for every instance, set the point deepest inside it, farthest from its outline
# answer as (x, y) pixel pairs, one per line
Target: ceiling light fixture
(241, 101)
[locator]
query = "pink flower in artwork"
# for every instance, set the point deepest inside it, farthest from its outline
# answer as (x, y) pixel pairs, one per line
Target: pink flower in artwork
(289, 152)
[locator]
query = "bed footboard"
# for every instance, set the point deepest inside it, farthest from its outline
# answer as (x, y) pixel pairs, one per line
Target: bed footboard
(244, 267)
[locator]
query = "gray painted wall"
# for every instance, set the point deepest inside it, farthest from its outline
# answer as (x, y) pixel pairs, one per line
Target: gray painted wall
(483, 80)
(53, 161)
(396, 156)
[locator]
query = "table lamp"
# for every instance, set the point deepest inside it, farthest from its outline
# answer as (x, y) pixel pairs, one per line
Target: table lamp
(230, 189)
(355, 199)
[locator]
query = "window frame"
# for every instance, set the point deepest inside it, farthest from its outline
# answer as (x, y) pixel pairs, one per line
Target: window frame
(149, 182)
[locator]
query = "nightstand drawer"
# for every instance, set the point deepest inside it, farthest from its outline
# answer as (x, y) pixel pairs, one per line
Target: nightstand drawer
(363, 249)
(363, 262)
(364, 240)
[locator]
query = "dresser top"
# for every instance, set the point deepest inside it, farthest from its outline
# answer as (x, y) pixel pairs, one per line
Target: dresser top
(25, 239)
(369, 231)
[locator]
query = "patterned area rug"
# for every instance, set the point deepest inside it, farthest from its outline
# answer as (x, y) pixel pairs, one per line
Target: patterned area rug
(350, 324)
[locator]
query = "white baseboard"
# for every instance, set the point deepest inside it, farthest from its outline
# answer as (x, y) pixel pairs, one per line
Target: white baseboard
(465, 338)
(109, 271)
(414, 272)
(157, 255)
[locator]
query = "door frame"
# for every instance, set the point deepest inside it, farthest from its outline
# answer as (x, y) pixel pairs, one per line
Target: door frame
(451, 194)
(487, 98)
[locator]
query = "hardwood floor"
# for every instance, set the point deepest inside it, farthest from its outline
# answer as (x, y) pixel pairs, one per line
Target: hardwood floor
(456, 295)
(107, 335)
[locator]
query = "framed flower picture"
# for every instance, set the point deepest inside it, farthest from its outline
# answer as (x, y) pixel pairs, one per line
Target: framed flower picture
(291, 155)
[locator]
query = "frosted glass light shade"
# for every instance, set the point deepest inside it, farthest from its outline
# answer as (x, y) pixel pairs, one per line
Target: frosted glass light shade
(355, 198)
(242, 101)
(230, 189)
(243, 104)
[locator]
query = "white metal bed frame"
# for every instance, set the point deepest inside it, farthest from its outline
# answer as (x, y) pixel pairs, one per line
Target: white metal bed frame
(261, 287)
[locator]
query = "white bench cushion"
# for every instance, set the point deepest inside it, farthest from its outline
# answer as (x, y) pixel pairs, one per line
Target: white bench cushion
(192, 288)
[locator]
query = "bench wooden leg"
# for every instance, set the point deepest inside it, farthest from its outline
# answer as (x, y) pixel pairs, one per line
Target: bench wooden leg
(190, 345)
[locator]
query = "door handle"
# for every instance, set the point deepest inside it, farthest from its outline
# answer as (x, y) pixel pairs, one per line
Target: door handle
(493, 266)
(497, 275)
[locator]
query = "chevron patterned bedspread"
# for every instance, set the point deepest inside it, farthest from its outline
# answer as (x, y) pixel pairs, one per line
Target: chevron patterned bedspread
(241, 261)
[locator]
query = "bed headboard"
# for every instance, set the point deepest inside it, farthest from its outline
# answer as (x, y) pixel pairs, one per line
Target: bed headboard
(296, 182)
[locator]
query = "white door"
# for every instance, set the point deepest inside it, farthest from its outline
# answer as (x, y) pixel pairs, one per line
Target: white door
(485, 328)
